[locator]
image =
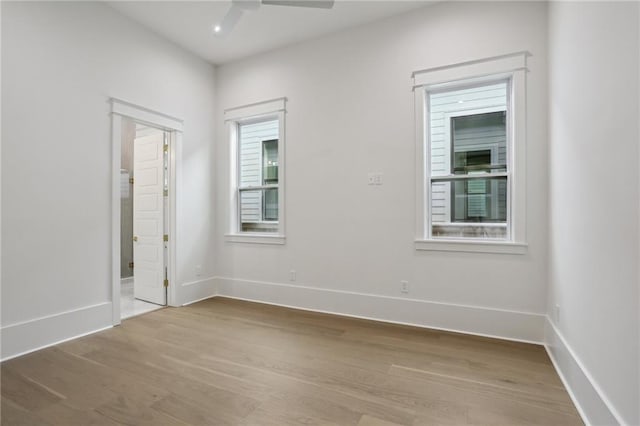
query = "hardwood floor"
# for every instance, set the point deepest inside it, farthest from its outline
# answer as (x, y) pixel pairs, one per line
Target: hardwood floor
(223, 361)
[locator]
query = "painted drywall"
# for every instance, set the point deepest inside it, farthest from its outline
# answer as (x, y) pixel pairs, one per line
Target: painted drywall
(61, 62)
(593, 245)
(350, 112)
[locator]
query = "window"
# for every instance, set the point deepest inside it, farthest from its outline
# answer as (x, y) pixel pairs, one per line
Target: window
(469, 185)
(256, 134)
(470, 127)
(258, 181)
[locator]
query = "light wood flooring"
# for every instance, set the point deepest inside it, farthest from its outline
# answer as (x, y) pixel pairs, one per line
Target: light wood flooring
(223, 361)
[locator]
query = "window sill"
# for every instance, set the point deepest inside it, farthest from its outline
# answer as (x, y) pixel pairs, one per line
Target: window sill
(254, 238)
(496, 247)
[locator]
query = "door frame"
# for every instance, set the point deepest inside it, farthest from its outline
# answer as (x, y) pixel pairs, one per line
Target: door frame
(173, 126)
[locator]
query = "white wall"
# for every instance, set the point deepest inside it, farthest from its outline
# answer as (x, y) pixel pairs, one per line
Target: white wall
(350, 112)
(594, 139)
(61, 62)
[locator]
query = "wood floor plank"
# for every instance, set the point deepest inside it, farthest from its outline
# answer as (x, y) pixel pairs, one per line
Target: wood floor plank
(367, 420)
(25, 392)
(229, 362)
(62, 414)
(131, 413)
(15, 415)
(154, 369)
(299, 411)
(70, 383)
(548, 398)
(350, 394)
(195, 413)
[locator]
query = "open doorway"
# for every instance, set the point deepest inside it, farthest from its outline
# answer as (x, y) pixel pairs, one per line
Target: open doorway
(144, 212)
(146, 154)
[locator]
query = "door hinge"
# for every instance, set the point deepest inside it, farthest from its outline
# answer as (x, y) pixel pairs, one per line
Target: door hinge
(166, 192)
(165, 238)
(166, 283)
(165, 148)
(131, 265)
(131, 181)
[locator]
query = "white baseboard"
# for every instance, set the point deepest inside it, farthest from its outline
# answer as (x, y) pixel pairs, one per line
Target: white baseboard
(503, 324)
(195, 291)
(28, 336)
(592, 404)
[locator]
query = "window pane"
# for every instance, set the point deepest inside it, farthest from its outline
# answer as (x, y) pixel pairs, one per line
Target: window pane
(470, 207)
(479, 143)
(250, 150)
(270, 162)
(270, 204)
(250, 202)
(468, 130)
(468, 137)
(258, 166)
(259, 210)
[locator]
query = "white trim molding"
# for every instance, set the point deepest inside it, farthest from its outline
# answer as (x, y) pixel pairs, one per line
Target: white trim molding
(511, 68)
(592, 403)
(255, 238)
(255, 110)
(495, 247)
(482, 321)
(32, 335)
(194, 291)
(478, 68)
(173, 127)
(234, 117)
(145, 115)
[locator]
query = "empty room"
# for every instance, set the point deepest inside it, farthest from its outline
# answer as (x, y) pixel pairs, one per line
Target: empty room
(320, 212)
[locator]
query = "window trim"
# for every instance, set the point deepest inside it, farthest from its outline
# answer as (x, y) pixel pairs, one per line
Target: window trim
(272, 109)
(512, 67)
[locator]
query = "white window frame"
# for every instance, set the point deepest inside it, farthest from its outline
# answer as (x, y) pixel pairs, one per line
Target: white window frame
(511, 67)
(274, 109)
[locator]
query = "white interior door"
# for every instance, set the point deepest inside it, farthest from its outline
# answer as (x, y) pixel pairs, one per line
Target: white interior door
(148, 219)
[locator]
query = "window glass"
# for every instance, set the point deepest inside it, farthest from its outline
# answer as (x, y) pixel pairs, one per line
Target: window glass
(258, 175)
(270, 161)
(468, 144)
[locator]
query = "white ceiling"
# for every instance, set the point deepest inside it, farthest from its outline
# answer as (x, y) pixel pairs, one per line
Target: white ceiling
(189, 23)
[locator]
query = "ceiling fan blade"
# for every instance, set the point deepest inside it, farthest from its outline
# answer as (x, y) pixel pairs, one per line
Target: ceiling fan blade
(229, 21)
(319, 4)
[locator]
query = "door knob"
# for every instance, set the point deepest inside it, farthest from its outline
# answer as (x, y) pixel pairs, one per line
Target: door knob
(135, 238)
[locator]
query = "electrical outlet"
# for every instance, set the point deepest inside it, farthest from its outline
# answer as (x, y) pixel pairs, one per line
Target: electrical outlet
(557, 314)
(404, 286)
(374, 178)
(198, 270)
(292, 275)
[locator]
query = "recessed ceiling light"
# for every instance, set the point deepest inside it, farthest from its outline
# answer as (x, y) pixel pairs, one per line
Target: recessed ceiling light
(217, 29)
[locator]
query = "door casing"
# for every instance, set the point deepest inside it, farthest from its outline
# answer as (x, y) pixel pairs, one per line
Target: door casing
(121, 110)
